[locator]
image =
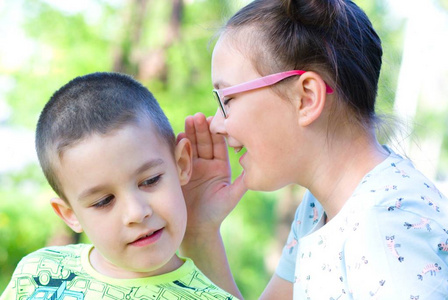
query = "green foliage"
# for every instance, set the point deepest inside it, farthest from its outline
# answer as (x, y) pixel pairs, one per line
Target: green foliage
(26, 220)
(443, 4)
(248, 233)
(390, 33)
(65, 46)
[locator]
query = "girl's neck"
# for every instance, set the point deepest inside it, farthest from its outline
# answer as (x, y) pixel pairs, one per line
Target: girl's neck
(341, 167)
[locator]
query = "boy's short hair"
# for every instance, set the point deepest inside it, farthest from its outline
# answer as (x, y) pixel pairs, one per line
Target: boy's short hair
(96, 103)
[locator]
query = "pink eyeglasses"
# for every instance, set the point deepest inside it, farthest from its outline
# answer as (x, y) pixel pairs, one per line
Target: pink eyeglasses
(255, 84)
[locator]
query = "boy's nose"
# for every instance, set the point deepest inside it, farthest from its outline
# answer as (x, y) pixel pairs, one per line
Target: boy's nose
(217, 124)
(136, 210)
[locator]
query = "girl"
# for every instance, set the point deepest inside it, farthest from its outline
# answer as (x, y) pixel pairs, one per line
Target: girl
(296, 83)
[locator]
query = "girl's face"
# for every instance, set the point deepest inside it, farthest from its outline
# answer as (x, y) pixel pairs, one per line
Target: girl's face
(260, 121)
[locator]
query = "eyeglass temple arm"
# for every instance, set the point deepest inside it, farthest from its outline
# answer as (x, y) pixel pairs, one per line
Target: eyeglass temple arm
(262, 82)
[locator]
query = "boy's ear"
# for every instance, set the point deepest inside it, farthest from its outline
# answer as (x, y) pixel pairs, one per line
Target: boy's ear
(313, 96)
(183, 155)
(66, 213)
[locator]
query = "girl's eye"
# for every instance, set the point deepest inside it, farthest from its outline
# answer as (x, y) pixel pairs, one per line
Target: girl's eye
(151, 181)
(104, 202)
(226, 101)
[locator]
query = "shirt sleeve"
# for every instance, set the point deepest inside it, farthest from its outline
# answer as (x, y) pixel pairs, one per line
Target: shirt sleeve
(306, 216)
(286, 267)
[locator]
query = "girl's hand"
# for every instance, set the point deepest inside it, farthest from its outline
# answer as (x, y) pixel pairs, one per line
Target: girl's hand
(210, 196)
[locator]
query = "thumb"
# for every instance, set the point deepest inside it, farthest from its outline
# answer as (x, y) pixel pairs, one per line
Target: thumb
(237, 189)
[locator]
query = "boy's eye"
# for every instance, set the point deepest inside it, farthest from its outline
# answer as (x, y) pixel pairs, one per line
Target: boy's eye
(151, 181)
(104, 202)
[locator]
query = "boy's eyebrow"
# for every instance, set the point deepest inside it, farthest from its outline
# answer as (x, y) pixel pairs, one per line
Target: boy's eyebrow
(149, 165)
(146, 166)
(90, 191)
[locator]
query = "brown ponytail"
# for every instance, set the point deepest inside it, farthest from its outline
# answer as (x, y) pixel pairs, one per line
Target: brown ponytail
(314, 12)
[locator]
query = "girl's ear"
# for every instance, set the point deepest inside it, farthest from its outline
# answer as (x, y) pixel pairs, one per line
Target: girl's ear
(313, 96)
(66, 213)
(183, 155)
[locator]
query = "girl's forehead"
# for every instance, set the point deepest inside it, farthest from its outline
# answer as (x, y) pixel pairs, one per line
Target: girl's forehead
(231, 59)
(239, 40)
(245, 44)
(225, 46)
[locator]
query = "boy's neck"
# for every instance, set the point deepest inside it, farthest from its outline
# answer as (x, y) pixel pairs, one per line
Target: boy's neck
(103, 266)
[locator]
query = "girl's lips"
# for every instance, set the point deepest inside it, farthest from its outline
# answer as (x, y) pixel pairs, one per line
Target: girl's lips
(148, 240)
(241, 158)
(237, 149)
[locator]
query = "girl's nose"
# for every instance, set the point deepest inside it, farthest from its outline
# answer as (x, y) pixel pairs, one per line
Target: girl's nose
(217, 124)
(136, 210)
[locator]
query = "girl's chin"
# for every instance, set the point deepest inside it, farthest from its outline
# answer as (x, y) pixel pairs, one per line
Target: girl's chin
(255, 184)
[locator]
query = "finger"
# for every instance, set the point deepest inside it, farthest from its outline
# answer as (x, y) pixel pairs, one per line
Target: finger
(190, 133)
(203, 137)
(180, 136)
(220, 149)
(209, 120)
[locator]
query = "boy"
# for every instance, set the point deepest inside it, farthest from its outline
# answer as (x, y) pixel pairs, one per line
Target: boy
(109, 152)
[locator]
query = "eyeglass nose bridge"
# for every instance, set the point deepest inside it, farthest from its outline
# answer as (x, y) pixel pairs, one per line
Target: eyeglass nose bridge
(220, 104)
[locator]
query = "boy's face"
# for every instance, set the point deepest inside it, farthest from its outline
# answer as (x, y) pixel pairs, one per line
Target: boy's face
(124, 191)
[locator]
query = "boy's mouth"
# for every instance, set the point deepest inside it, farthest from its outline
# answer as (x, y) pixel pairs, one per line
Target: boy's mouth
(147, 238)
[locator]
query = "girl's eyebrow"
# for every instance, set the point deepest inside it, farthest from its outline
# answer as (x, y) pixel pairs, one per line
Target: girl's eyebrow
(220, 84)
(144, 167)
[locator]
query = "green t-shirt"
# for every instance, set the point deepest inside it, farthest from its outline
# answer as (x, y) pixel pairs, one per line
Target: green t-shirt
(65, 273)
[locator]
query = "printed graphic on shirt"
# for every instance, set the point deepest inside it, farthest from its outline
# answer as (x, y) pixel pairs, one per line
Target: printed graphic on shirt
(443, 246)
(424, 223)
(59, 275)
(393, 247)
(430, 269)
(315, 215)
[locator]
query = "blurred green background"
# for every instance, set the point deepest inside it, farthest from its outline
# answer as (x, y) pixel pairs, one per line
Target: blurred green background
(167, 46)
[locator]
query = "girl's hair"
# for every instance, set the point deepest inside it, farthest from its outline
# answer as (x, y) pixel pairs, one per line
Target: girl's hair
(97, 103)
(331, 37)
